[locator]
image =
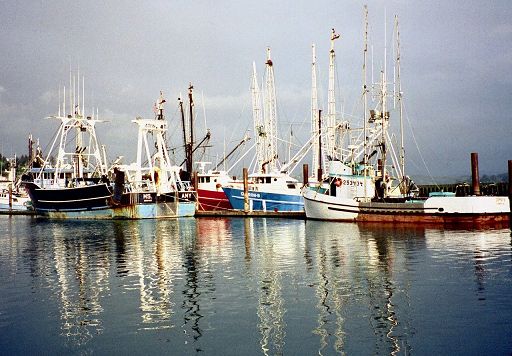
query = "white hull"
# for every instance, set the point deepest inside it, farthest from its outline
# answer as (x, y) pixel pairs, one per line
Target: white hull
(432, 210)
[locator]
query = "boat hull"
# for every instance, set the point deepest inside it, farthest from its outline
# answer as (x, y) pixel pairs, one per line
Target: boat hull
(209, 200)
(436, 210)
(96, 202)
(264, 201)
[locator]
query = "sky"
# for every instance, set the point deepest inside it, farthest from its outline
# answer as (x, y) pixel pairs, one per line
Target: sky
(456, 61)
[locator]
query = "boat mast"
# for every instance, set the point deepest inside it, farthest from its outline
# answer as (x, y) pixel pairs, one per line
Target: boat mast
(270, 114)
(400, 106)
(331, 102)
(184, 127)
(384, 114)
(365, 100)
(315, 128)
(191, 142)
(259, 127)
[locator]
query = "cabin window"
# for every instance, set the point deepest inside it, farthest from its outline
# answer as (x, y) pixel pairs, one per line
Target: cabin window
(269, 180)
(207, 179)
(291, 186)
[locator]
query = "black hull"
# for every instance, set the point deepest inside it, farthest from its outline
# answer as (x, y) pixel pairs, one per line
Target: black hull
(90, 197)
(99, 202)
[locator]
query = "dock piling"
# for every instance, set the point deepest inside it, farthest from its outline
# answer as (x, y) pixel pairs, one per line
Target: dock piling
(305, 174)
(246, 190)
(10, 196)
(475, 179)
(195, 182)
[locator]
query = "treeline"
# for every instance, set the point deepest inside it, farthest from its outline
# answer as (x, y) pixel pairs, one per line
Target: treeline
(21, 161)
(494, 178)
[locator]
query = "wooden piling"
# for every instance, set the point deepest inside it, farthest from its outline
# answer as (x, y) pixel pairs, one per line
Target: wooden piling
(10, 196)
(195, 182)
(246, 190)
(305, 174)
(475, 178)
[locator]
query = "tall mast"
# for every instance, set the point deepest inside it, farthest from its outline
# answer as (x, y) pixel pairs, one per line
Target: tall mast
(270, 114)
(183, 125)
(331, 101)
(315, 128)
(191, 142)
(365, 99)
(400, 106)
(259, 127)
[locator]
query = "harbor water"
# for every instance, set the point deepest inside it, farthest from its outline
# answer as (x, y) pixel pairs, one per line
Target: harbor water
(251, 286)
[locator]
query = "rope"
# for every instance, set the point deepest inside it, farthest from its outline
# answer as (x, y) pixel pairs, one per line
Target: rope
(418, 148)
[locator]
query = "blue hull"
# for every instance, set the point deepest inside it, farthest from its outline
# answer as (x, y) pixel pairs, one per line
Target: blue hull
(263, 201)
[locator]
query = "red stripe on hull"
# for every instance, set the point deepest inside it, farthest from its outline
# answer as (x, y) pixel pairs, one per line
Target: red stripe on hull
(455, 220)
(212, 200)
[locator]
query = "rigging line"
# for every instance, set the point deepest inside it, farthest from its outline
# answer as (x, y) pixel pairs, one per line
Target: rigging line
(418, 148)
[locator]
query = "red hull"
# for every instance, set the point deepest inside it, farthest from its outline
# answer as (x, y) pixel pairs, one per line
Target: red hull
(497, 220)
(212, 200)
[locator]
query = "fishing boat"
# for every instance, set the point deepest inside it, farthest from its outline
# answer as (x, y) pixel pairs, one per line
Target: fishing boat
(80, 186)
(270, 187)
(153, 187)
(210, 195)
(366, 181)
(74, 184)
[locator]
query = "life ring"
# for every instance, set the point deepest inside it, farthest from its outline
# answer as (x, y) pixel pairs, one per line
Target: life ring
(218, 186)
(338, 182)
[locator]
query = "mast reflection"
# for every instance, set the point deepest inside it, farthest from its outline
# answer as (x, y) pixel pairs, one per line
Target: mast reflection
(191, 292)
(270, 308)
(82, 270)
(330, 257)
(385, 291)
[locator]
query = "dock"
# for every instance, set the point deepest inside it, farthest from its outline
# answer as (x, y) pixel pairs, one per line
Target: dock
(18, 212)
(252, 214)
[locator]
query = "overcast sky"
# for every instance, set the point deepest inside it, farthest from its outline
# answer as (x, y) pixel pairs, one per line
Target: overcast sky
(456, 68)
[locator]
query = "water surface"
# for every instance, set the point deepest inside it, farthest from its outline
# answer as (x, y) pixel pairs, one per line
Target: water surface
(251, 286)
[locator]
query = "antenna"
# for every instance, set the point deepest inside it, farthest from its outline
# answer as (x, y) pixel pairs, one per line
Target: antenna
(83, 96)
(59, 100)
(365, 98)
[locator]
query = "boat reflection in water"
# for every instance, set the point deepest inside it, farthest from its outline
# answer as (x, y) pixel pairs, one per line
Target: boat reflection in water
(77, 271)
(249, 286)
(271, 308)
(357, 269)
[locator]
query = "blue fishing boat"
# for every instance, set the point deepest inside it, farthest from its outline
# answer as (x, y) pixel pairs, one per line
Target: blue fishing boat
(277, 192)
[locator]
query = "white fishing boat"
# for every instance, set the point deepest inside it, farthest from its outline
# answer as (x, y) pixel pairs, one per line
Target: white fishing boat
(367, 182)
